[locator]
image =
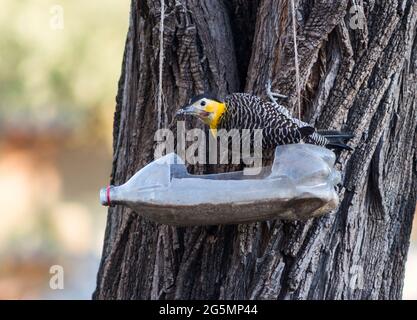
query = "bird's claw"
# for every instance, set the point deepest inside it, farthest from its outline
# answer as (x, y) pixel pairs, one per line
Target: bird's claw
(273, 95)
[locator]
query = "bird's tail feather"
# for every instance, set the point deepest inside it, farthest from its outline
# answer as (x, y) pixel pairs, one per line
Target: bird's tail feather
(336, 139)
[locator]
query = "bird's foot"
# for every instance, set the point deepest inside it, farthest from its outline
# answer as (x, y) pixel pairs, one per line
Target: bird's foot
(273, 95)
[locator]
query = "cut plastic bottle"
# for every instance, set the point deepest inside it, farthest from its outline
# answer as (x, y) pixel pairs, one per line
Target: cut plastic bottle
(299, 185)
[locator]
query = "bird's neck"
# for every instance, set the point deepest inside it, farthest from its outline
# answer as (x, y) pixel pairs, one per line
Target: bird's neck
(216, 116)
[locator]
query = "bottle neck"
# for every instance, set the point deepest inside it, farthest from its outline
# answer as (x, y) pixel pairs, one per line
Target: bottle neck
(110, 195)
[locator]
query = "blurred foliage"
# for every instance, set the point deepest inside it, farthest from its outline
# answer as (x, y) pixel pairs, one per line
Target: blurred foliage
(66, 75)
(57, 87)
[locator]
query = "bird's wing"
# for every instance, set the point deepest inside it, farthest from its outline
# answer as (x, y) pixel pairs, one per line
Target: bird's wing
(282, 128)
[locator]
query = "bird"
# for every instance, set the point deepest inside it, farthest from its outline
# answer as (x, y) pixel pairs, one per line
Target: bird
(246, 111)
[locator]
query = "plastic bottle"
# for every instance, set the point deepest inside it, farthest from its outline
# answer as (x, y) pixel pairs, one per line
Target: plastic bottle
(299, 185)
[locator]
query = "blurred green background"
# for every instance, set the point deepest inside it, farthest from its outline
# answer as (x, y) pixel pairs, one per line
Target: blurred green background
(59, 66)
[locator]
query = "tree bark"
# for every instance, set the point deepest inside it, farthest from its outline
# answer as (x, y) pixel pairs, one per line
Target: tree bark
(360, 80)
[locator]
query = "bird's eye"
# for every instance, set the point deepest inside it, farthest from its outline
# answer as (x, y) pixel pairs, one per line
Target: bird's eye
(202, 103)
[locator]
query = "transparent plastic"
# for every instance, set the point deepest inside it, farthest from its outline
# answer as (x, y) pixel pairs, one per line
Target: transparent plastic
(299, 185)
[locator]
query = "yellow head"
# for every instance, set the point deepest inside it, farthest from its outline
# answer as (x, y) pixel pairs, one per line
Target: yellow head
(207, 108)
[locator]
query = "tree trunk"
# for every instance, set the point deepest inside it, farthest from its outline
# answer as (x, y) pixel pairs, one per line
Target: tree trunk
(358, 75)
